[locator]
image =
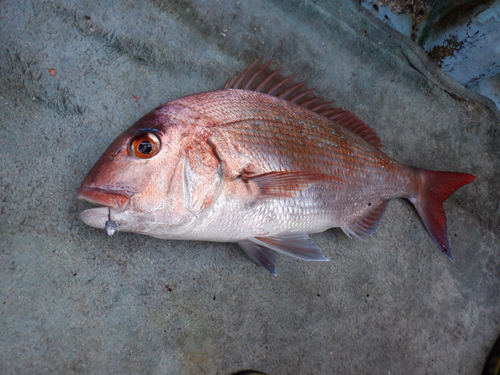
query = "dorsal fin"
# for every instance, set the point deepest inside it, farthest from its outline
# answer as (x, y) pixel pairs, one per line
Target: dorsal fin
(267, 81)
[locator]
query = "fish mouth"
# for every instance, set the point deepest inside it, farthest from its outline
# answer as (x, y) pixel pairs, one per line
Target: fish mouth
(101, 197)
(97, 217)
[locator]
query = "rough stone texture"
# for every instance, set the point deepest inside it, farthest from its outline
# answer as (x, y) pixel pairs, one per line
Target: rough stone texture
(76, 301)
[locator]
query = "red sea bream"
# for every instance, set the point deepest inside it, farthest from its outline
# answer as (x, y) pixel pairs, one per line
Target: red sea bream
(264, 163)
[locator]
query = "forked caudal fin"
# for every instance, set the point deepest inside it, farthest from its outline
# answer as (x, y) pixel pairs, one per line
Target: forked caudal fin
(435, 188)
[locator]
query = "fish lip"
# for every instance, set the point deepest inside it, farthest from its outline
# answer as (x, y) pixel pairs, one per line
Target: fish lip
(103, 197)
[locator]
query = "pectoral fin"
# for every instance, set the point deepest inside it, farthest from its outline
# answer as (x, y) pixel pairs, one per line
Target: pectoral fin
(282, 184)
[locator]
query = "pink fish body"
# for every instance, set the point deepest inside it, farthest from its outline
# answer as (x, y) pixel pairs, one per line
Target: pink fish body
(262, 163)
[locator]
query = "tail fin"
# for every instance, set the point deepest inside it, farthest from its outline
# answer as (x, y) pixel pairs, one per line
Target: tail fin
(435, 188)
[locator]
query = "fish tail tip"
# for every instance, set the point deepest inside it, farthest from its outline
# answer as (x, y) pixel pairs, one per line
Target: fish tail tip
(271, 270)
(435, 188)
(450, 256)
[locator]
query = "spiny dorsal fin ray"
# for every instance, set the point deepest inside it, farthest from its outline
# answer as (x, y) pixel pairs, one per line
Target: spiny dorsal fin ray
(267, 81)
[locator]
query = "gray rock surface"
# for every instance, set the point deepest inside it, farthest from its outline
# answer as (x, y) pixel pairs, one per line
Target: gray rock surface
(74, 300)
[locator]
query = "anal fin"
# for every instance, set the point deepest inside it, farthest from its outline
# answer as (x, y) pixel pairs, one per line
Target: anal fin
(368, 225)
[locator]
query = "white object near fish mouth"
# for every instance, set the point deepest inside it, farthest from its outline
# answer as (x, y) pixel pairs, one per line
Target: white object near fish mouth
(95, 217)
(110, 202)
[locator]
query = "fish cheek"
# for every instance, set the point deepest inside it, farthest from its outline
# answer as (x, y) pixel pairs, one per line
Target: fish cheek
(162, 201)
(202, 175)
(182, 187)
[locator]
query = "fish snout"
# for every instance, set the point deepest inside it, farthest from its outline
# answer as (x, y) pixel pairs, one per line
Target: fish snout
(102, 197)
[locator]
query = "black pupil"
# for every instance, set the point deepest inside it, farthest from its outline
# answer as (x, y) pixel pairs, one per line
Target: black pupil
(145, 147)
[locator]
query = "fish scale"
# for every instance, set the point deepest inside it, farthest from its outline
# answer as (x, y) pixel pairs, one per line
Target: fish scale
(261, 145)
(264, 163)
(346, 157)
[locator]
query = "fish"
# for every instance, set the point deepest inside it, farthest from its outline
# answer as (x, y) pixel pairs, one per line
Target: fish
(264, 163)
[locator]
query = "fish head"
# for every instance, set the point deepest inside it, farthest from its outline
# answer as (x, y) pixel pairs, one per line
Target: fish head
(149, 179)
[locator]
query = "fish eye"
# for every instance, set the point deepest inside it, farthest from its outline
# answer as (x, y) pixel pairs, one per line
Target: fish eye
(145, 145)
